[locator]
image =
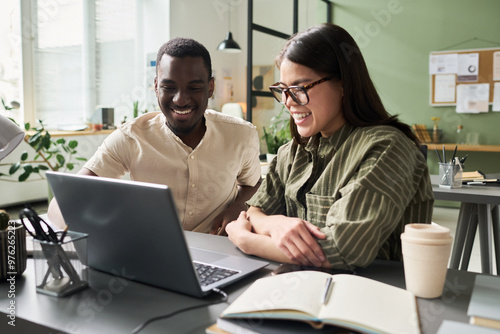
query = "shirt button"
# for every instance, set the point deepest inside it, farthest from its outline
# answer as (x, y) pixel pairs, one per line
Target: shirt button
(193, 185)
(190, 213)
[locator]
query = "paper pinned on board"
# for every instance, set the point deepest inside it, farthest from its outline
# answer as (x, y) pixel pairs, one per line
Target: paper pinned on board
(473, 98)
(443, 64)
(444, 88)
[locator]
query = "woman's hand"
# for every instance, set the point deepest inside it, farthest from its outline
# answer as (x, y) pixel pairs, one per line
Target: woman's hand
(297, 239)
(238, 229)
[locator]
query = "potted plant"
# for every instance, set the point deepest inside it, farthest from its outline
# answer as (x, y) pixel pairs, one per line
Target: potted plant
(12, 247)
(49, 154)
(278, 132)
(136, 111)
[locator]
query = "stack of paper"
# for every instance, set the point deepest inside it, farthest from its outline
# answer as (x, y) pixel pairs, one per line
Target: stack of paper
(472, 176)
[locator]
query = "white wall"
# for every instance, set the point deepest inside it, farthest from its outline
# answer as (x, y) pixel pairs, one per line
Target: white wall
(207, 22)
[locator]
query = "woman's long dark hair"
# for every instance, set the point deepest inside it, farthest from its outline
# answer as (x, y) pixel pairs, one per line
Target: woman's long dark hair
(330, 50)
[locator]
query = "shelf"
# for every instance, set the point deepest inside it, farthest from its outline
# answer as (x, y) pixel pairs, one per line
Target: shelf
(471, 148)
(57, 133)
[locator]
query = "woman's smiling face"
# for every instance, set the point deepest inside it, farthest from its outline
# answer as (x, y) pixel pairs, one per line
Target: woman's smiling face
(324, 112)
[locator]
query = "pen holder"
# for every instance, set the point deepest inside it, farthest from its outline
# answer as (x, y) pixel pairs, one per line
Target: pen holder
(450, 175)
(61, 268)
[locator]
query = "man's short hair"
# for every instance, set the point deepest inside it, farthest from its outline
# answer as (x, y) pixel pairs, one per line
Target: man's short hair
(185, 47)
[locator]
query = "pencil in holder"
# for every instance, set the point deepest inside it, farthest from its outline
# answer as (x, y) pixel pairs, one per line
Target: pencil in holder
(61, 268)
(450, 175)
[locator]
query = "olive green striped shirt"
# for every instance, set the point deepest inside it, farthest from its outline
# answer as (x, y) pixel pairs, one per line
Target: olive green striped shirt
(360, 186)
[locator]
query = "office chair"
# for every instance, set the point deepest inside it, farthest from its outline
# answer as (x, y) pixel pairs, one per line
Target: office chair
(233, 109)
(423, 148)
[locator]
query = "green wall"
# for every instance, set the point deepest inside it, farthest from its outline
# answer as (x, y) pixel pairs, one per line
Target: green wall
(396, 38)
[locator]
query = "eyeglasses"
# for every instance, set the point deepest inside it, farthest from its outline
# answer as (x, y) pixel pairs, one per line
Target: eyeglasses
(297, 93)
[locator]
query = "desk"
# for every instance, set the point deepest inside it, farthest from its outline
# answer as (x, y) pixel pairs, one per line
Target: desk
(479, 208)
(116, 305)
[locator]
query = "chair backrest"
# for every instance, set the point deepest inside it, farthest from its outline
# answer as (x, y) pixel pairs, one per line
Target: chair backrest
(233, 109)
(423, 148)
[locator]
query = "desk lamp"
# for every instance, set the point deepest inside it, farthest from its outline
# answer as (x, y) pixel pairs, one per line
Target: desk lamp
(10, 136)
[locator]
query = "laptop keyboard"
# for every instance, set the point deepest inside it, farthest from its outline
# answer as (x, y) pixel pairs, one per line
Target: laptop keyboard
(210, 274)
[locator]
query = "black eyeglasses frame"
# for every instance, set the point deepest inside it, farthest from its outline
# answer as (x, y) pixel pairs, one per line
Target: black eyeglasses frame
(277, 90)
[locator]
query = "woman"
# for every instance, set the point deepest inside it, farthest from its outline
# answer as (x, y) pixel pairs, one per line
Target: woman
(340, 193)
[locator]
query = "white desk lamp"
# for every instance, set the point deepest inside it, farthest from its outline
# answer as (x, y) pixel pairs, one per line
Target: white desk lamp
(10, 136)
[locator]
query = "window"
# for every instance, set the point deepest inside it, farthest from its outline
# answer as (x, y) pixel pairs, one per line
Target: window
(10, 59)
(83, 55)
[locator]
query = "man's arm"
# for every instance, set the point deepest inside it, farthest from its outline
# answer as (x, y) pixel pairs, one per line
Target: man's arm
(233, 210)
(54, 213)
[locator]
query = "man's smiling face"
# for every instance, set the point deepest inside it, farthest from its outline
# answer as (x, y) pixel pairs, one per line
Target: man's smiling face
(183, 87)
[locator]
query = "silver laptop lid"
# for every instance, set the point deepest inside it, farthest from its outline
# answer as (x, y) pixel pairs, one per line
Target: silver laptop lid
(134, 231)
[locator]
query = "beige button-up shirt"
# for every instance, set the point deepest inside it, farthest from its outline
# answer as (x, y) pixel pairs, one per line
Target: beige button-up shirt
(204, 181)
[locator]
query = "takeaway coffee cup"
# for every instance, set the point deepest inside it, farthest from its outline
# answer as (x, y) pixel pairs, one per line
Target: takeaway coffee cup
(426, 251)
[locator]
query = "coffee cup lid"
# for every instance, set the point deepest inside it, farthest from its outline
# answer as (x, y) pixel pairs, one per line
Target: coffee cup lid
(427, 231)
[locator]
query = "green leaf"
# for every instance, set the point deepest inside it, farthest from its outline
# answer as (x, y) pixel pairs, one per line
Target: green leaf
(46, 141)
(34, 139)
(61, 141)
(36, 170)
(43, 167)
(24, 176)
(70, 166)
(24, 156)
(60, 159)
(14, 168)
(27, 126)
(13, 120)
(81, 159)
(73, 144)
(28, 168)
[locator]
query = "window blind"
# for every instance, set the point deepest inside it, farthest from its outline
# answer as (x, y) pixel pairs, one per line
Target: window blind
(65, 92)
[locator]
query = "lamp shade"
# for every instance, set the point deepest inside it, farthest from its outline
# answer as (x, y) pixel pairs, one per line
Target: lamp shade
(10, 136)
(229, 45)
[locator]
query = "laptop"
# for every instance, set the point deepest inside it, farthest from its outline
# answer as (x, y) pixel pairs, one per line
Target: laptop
(135, 232)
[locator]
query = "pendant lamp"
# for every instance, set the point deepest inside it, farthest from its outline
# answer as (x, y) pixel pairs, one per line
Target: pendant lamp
(229, 45)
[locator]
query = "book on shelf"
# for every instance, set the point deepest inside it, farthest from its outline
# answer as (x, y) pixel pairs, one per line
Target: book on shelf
(422, 133)
(484, 305)
(472, 176)
(349, 301)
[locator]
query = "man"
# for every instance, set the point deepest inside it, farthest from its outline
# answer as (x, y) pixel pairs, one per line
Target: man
(208, 159)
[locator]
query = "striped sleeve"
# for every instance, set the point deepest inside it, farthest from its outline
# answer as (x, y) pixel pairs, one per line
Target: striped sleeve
(389, 189)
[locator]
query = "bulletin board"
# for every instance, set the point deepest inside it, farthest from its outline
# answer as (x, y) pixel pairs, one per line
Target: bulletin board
(485, 73)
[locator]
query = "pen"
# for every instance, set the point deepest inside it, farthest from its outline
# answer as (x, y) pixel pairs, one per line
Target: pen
(454, 152)
(63, 234)
(326, 290)
(437, 153)
(444, 155)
